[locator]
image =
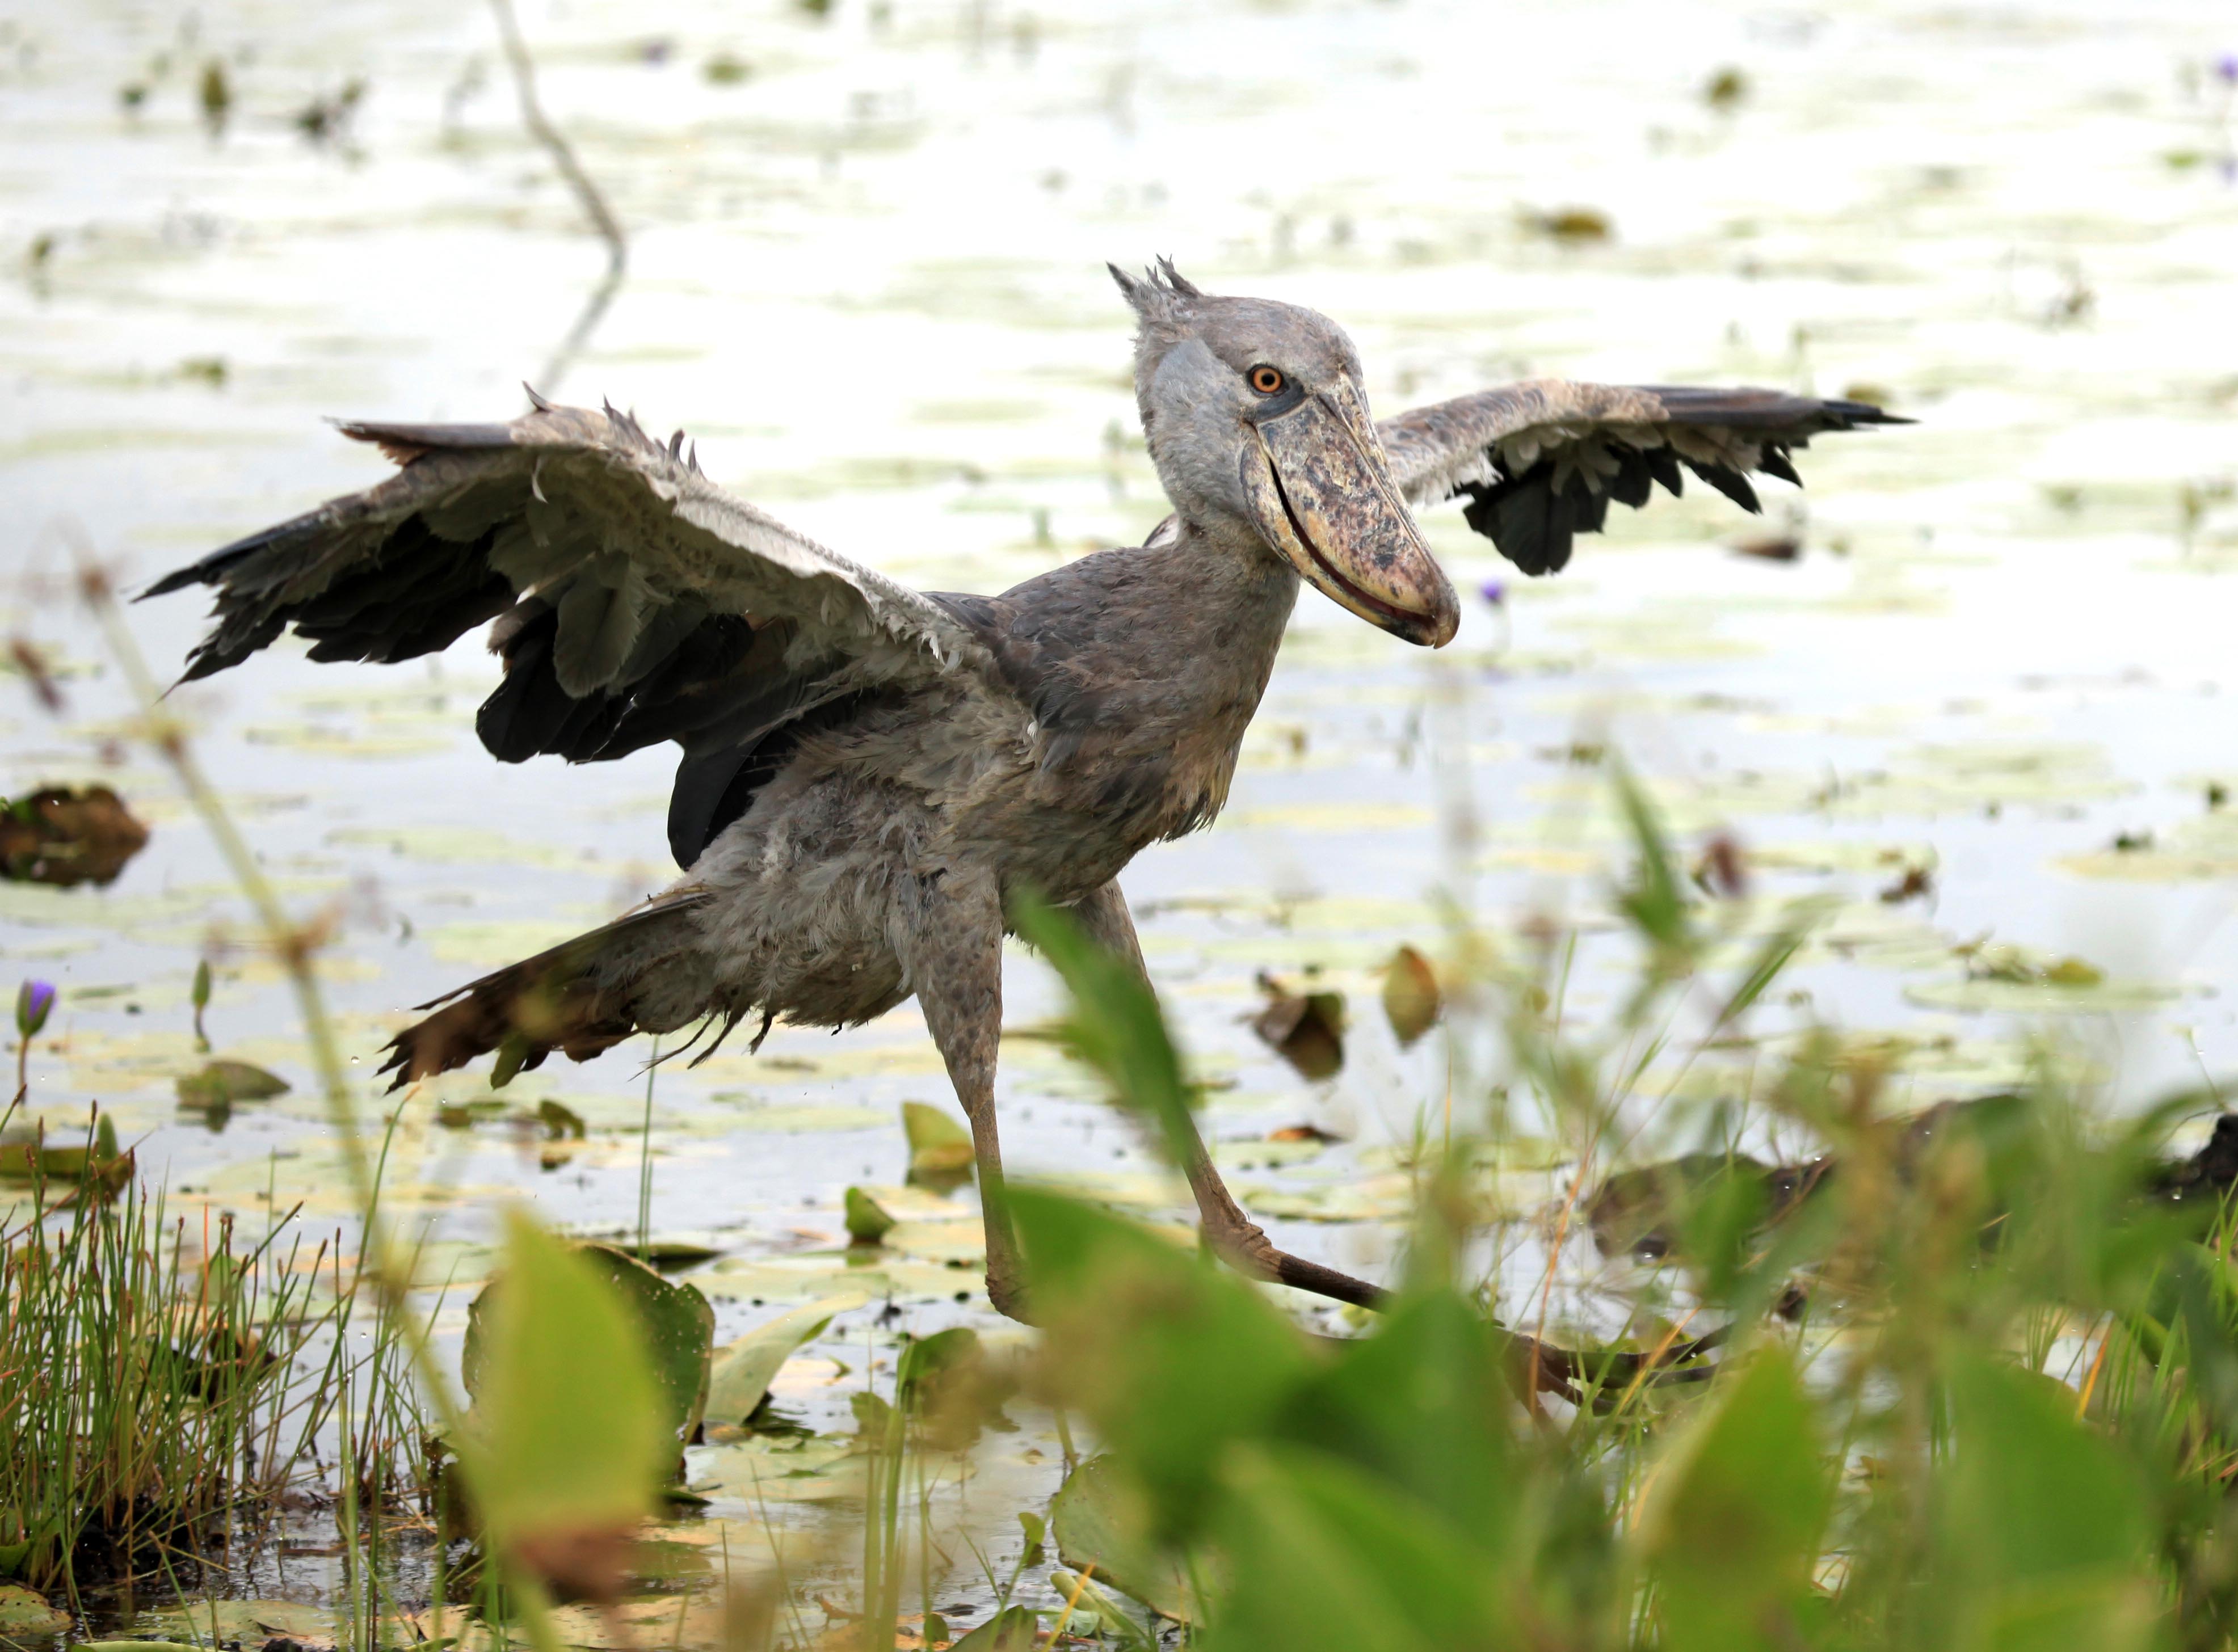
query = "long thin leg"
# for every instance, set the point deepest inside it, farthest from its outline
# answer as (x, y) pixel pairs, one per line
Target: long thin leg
(954, 958)
(1236, 1238)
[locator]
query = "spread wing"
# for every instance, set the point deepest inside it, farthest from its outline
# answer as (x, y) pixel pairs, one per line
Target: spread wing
(635, 601)
(1541, 460)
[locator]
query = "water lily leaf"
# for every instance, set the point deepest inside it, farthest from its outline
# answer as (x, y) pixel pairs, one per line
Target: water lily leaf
(809, 1274)
(1411, 999)
(26, 1620)
(1099, 1521)
(2041, 997)
(743, 1370)
(675, 1327)
(220, 1084)
(63, 837)
(867, 1220)
(938, 1145)
(33, 1154)
(959, 1241)
(251, 1621)
(821, 1469)
(1305, 1028)
(1015, 1629)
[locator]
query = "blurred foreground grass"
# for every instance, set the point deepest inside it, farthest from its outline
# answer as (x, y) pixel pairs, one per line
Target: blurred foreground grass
(1969, 1381)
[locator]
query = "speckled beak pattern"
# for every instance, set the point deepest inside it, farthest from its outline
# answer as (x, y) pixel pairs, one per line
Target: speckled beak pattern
(1320, 489)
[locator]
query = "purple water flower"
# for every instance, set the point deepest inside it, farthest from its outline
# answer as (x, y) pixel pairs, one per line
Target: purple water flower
(1494, 591)
(2226, 69)
(34, 1001)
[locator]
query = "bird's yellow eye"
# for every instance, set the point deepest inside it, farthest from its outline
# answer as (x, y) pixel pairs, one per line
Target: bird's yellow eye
(1268, 381)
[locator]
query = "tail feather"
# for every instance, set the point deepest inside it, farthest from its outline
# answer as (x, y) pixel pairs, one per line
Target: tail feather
(642, 973)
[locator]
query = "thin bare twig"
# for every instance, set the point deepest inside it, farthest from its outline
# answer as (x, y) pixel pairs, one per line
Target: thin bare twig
(593, 203)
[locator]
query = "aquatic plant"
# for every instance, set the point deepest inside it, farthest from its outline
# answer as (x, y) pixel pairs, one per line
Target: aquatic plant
(1980, 1390)
(158, 1389)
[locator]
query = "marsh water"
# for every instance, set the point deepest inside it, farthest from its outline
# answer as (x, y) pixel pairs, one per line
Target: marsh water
(865, 274)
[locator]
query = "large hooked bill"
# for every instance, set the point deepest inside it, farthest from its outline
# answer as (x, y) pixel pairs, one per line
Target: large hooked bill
(1321, 490)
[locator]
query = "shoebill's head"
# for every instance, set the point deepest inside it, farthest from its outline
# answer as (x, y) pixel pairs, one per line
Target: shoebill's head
(1257, 423)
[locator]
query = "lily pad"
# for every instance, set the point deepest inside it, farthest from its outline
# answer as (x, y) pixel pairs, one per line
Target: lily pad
(1015, 1629)
(806, 1275)
(220, 1084)
(26, 1619)
(743, 1369)
(1097, 1523)
(65, 837)
(2041, 997)
(1305, 1028)
(868, 1221)
(1412, 1002)
(820, 1468)
(938, 1145)
(959, 1240)
(249, 1621)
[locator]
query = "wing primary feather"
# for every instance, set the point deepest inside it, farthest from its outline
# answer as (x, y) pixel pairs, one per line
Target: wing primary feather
(1729, 482)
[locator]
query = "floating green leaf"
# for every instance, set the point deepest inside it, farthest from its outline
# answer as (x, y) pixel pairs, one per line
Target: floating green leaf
(26, 1620)
(1412, 1002)
(867, 1220)
(743, 1370)
(938, 1145)
(220, 1084)
(1100, 1519)
(1015, 1629)
(1739, 1515)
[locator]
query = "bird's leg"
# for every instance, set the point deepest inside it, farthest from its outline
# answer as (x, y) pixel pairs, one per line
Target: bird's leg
(956, 962)
(1234, 1236)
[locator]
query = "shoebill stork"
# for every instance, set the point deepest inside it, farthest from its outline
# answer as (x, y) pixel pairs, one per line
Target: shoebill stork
(869, 771)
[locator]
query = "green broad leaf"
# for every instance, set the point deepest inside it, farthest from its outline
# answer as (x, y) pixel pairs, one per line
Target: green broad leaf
(938, 1144)
(1425, 1403)
(1656, 902)
(220, 1084)
(1326, 1555)
(1739, 1514)
(676, 1328)
(251, 1622)
(2032, 1493)
(561, 1123)
(1412, 1000)
(1100, 1518)
(1171, 1357)
(868, 1221)
(2106, 1614)
(1094, 1611)
(26, 1619)
(745, 1369)
(1115, 1027)
(1015, 1629)
(574, 1431)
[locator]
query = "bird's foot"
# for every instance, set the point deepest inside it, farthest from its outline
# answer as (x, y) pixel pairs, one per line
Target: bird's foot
(1244, 1245)
(1009, 1296)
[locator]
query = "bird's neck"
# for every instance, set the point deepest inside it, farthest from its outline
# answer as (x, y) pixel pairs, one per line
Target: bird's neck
(1239, 595)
